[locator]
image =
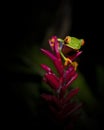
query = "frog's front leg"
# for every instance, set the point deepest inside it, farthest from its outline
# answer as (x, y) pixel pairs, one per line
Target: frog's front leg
(68, 61)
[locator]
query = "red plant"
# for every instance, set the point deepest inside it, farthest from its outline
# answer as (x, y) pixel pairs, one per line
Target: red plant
(61, 103)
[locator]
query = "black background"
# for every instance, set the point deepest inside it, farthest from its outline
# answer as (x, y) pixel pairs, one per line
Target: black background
(25, 20)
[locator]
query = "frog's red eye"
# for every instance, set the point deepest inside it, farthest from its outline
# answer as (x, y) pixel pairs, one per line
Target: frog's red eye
(67, 39)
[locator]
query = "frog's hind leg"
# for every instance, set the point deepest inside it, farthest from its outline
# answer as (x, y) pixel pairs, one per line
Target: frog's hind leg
(69, 61)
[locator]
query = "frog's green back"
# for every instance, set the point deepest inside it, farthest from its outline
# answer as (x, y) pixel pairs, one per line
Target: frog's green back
(75, 43)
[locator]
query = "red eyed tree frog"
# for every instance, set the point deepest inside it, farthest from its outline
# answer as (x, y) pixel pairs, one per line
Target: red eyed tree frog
(67, 45)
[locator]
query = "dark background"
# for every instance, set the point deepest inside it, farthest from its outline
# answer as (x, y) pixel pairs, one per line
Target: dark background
(27, 24)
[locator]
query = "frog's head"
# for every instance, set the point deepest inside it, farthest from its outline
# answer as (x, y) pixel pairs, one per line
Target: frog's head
(73, 42)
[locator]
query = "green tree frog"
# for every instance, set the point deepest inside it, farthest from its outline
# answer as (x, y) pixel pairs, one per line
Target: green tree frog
(67, 45)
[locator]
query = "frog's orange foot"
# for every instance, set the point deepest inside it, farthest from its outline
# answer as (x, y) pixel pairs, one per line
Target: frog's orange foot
(68, 61)
(75, 65)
